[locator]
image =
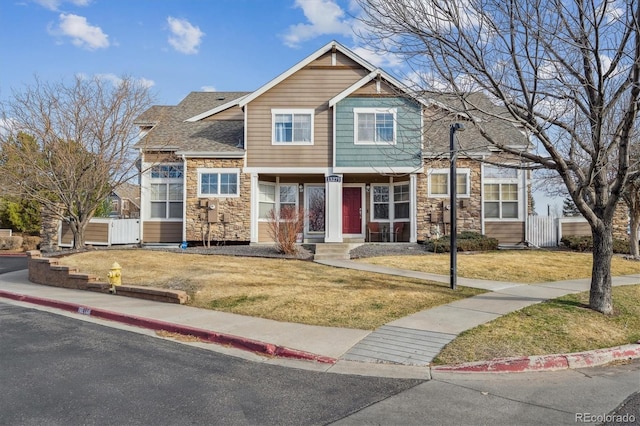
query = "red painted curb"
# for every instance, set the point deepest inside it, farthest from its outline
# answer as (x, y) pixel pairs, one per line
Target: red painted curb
(547, 362)
(207, 335)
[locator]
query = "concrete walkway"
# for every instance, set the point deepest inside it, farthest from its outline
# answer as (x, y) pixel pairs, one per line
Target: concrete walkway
(410, 341)
(418, 338)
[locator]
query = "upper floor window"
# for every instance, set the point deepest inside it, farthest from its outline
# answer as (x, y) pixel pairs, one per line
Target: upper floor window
(293, 126)
(218, 183)
(374, 126)
(167, 171)
(438, 184)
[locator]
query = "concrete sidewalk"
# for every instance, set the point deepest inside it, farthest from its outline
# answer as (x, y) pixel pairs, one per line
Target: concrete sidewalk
(410, 342)
(418, 338)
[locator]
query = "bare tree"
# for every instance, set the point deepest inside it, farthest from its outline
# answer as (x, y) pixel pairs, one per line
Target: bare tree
(67, 146)
(568, 72)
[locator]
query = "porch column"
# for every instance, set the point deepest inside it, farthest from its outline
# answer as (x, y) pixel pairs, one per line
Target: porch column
(333, 213)
(413, 208)
(254, 208)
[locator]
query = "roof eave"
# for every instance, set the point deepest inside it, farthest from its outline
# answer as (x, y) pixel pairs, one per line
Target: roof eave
(211, 154)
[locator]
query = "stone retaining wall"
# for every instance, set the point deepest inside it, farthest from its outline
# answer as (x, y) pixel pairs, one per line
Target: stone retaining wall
(48, 271)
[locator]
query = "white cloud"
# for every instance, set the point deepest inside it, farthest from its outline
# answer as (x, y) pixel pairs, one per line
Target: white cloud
(324, 16)
(185, 38)
(208, 89)
(81, 32)
(115, 80)
(379, 59)
(55, 4)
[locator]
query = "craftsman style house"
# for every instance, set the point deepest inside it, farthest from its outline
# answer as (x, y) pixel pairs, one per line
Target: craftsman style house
(365, 158)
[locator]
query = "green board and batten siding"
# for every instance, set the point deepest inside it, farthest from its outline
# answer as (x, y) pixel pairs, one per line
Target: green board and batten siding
(405, 153)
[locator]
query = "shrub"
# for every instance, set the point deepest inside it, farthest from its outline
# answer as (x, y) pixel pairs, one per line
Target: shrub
(585, 243)
(466, 241)
(285, 227)
(10, 243)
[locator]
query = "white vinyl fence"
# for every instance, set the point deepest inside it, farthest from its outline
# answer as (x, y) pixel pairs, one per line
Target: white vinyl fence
(547, 231)
(542, 231)
(104, 232)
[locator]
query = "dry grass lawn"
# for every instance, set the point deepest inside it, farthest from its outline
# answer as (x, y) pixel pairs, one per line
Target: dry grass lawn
(562, 325)
(283, 290)
(522, 266)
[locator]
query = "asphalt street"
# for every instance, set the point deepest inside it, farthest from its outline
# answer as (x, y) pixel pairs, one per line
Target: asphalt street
(12, 263)
(61, 371)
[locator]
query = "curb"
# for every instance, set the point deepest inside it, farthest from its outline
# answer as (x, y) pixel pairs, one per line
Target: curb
(13, 254)
(237, 342)
(547, 362)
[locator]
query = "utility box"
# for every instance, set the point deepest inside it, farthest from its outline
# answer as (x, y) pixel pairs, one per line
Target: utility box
(212, 211)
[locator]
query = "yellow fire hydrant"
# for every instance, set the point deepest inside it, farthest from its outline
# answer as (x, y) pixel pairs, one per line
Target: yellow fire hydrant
(115, 276)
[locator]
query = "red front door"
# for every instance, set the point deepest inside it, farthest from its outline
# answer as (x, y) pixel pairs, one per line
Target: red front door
(351, 210)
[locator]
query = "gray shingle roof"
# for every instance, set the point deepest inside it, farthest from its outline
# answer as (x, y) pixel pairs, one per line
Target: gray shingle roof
(171, 132)
(479, 111)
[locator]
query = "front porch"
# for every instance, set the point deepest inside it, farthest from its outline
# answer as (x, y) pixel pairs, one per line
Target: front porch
(338, 208)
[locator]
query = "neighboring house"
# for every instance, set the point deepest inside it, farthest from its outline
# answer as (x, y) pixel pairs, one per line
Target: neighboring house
(125, 201)
(335, 136)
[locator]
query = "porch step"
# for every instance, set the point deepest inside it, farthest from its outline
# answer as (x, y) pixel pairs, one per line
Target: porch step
(332, 251)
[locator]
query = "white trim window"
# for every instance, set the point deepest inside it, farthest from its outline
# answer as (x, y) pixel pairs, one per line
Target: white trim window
(438, 183)
(390, 202)
(374, 126)
(292, 126)
(501, 193)
(166, 191)
(380, 202)
(218, 183)
(276, 196)
(401, 201)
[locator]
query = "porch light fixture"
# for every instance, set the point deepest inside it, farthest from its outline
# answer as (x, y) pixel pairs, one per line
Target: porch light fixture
(301, 188)
(367, 187)
(453, 181)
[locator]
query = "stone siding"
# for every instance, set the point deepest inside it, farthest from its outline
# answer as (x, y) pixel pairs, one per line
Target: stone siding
(234, 213)
(621, 221)
(433, 216)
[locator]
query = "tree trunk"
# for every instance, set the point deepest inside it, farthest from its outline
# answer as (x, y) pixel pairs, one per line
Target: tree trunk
(600, 298)
(77, 229)
(634, 248)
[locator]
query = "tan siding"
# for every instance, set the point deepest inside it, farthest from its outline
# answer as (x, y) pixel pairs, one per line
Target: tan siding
(97, 232)
(234, 113)
(308, 88)
(576, 228)
(263, 233)
(505, 232)
(370, 89)
(162, 232)
(341, 61)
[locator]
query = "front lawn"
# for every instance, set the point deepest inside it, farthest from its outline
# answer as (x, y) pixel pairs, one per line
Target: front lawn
(522, 266)
(279, 289)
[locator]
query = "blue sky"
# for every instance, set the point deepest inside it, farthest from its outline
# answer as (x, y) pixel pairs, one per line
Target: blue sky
(176, 46)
